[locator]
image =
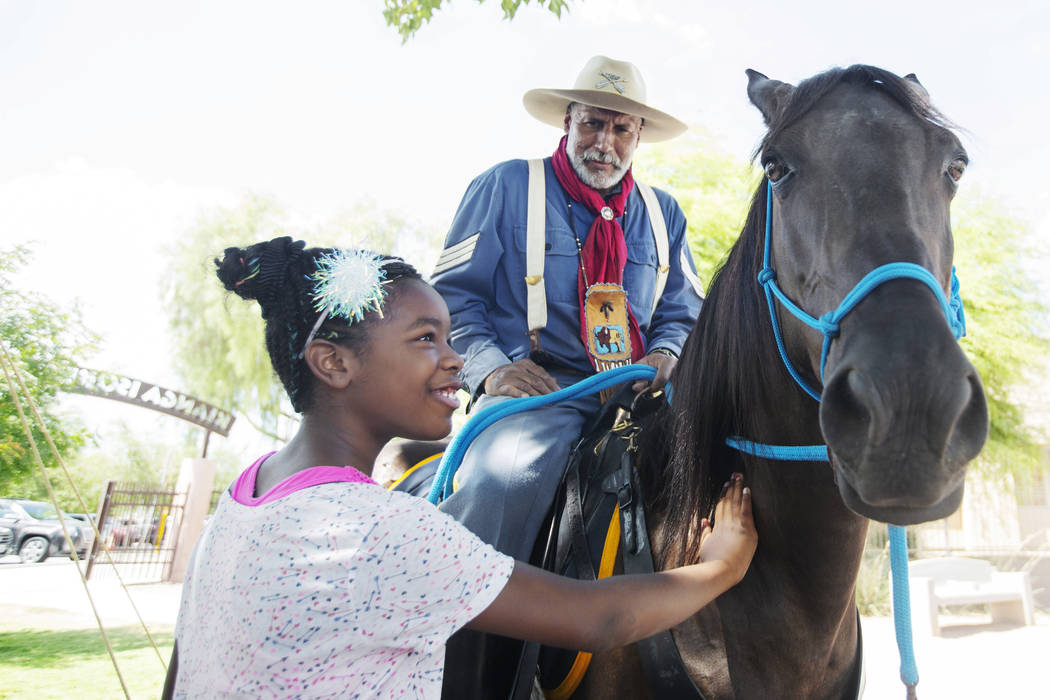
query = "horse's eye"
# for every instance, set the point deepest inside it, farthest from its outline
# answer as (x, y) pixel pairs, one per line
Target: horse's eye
(775, 170)
(956, 168)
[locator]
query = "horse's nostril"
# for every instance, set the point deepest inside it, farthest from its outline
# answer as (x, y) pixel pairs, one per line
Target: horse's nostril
(846, 414)
(971, 426)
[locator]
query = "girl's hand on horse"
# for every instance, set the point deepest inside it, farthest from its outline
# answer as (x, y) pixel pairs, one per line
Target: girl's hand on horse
(730, 535)
(539, 606)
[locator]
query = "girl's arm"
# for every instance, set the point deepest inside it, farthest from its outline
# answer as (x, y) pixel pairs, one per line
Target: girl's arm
(539, 606)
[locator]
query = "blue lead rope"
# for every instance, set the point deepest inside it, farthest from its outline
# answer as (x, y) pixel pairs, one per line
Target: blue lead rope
(788, 453)
(902, 606)
(450, 461)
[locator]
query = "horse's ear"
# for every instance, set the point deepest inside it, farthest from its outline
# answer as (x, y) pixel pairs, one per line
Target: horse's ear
(917, 86)
(769, 96)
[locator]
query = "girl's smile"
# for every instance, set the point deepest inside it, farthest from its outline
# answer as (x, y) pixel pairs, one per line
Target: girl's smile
(409, 372)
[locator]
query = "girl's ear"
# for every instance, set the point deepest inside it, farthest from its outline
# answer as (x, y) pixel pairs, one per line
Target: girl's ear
(332, 364)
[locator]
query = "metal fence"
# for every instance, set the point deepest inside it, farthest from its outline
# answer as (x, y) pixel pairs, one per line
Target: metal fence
(139, 526)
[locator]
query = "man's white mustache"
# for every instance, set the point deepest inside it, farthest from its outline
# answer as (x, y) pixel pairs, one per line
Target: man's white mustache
(599, 157)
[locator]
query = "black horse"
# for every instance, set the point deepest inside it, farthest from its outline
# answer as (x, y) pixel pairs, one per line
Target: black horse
(862, 170)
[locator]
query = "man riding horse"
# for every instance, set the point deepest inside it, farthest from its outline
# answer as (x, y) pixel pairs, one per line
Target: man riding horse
(534, 288)
(545, 262)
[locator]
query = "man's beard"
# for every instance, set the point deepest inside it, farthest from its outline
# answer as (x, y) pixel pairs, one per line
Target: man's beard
(598, 181)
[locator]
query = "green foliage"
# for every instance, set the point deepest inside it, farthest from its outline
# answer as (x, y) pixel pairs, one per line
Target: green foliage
(712, 187)
(219, 351)
(408, 16)
(219, 348)
(873, 583)
(45, 342)
(125, 455)
(63, 663)
(1007, 338)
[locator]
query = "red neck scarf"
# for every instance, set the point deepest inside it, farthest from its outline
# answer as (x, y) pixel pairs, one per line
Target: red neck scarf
(604, 253)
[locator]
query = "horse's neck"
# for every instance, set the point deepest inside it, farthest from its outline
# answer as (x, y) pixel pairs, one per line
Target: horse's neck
(799, 590)
(804, 527)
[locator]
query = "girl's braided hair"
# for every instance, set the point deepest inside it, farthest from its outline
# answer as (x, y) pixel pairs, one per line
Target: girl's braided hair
(279, 275)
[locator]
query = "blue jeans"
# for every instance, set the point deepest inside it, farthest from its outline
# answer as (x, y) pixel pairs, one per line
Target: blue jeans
(510, 473)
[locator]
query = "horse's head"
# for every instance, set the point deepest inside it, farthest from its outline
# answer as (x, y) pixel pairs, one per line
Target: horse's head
(862, 172)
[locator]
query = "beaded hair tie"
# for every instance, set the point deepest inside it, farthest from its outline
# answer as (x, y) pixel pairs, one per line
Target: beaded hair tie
(347, 284)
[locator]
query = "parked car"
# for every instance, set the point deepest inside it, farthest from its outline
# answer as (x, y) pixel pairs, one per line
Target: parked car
(87, 531)
(36, 530)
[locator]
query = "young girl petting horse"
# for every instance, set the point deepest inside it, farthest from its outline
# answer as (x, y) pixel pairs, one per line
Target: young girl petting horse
(311, 580)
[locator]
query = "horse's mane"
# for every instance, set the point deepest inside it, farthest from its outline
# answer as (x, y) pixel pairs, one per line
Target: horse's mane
(729, 363)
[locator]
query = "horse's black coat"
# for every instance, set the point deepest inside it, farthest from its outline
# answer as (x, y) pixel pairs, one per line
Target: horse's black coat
(730, 364)
(864, 171)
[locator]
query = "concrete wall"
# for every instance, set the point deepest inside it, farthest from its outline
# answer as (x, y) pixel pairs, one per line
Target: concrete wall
(196, 479)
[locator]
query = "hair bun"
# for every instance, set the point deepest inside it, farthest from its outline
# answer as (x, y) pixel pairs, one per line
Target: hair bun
(260, 270)
(234, 271)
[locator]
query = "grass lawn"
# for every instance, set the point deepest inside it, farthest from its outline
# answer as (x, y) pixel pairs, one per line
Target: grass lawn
(40, 660)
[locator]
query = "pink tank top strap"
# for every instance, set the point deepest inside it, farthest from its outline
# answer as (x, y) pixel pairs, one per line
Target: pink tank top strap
(243, 489)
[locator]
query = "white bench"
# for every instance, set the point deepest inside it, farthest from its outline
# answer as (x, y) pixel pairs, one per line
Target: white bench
(963, 581)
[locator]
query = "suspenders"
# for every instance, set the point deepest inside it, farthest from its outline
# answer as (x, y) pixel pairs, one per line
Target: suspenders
(535, 251)
(536, 239)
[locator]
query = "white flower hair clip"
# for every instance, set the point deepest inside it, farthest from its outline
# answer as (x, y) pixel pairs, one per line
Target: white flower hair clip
(347, 284)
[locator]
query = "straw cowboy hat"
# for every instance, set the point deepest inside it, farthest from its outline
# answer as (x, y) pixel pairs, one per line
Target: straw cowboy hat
(608, 84)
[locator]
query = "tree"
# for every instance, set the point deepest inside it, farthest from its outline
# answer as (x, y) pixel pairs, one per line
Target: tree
(1006, 324)
(407, 16)
(713, 188)
(1007, 338)
(219, 350)
(45, 343)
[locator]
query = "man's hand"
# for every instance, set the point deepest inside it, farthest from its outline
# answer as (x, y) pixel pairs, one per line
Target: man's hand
(518, 379)
(663, 364)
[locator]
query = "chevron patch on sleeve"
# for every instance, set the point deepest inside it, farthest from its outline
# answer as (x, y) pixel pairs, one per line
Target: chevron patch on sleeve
(457, 254)
(698, 286)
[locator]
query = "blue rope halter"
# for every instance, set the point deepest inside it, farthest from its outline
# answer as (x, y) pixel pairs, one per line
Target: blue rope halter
(828, 325)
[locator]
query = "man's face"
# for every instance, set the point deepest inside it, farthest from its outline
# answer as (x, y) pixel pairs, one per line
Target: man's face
(601, 144)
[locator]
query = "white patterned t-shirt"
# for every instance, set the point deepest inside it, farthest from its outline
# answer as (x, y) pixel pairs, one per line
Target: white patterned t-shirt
(339, 590)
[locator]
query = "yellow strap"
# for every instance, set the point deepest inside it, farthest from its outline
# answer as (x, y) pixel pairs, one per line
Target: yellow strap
(575, 675)
(417, 465)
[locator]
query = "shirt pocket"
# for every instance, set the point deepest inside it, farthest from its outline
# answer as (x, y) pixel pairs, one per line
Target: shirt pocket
(639, 278)
(561, 263)
(642, 252)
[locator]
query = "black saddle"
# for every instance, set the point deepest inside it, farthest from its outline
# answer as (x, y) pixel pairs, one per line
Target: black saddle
(597, 519)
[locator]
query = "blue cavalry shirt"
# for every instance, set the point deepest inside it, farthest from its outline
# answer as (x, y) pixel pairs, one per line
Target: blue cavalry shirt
(481, 274)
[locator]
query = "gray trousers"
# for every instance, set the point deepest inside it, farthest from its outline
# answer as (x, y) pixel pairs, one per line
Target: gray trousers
(510, 473)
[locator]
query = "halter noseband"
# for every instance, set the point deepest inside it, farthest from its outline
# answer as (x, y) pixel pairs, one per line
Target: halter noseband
(828, 324)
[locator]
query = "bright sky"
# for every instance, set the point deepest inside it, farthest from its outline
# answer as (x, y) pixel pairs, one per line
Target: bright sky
(123, 121)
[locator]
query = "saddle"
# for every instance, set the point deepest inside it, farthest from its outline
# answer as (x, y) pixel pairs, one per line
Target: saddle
(599, 514)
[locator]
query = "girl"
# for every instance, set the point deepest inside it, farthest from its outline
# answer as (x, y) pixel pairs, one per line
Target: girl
(311, 580)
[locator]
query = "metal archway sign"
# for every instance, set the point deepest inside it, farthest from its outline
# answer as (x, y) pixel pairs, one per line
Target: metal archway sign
(109, 385)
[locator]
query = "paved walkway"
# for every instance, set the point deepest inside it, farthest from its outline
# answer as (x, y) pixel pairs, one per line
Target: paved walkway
(55, 585)
(973, 658)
